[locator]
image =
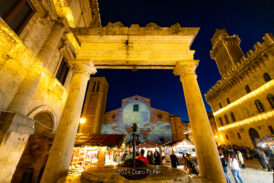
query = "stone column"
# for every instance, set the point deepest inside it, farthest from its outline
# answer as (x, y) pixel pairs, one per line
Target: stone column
(61, 151)
(31, 81)
(15, 125)
(206, 150)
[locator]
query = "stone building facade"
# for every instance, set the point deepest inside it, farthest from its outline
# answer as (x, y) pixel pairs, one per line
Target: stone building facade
(37, 53)
(243, 100)
(153, 124)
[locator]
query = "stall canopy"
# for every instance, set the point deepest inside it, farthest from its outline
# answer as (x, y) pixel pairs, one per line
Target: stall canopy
(109, 140)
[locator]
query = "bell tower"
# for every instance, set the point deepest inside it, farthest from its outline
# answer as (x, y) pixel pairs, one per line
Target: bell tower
(226, 50)
(95, 105)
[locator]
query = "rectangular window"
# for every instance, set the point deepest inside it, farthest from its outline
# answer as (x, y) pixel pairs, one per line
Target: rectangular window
(16, 13)
(62, 72)
(135, 107)
(98, 86)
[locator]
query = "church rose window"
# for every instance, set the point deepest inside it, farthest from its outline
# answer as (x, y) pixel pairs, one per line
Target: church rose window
(16, 13)
(267, 77)
(259, 106)
(270, 99)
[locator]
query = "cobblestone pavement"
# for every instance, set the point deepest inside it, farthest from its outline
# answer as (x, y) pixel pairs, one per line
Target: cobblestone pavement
(251, 175)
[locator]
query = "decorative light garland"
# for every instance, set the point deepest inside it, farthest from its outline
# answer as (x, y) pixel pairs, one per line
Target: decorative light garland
(254, 93)
(259, 117)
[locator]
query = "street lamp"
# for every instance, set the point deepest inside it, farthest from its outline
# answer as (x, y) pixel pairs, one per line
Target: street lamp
(82, 122)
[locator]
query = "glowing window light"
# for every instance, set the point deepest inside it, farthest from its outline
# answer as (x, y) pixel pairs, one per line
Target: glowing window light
(252, 119)
(246, 97)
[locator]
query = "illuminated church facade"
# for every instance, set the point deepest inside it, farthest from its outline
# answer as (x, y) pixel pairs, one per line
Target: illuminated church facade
(153, 124)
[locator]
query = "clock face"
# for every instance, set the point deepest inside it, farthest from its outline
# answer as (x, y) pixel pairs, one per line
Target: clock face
(136, 112)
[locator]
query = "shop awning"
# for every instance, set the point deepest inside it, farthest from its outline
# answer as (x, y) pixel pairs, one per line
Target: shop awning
(109, 140)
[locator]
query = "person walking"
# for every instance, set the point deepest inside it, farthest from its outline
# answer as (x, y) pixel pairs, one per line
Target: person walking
(224, 164)
(235, 168)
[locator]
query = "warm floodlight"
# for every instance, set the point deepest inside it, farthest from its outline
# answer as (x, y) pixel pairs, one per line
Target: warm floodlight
(82, 120)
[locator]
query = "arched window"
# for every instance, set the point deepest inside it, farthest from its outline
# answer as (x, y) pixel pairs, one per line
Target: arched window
(220, 105)
(226, 119)
(270, 99)
(221, 121)
(247, 89)
(267, 77)
(239, 136)
(232, 116)
(228, 101)
(226, 137)
(259, 106)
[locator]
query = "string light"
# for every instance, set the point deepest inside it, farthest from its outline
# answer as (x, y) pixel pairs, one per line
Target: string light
(248, 96)
(250, 120)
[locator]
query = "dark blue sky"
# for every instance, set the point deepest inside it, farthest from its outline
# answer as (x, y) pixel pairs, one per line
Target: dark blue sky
(249, 19)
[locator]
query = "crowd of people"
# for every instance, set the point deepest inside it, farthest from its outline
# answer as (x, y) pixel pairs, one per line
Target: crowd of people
(264, 155)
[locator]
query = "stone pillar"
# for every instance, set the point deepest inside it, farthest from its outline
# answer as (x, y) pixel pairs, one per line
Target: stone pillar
(61, 151)
(206, 150)
(18, 127)
(14, 134)
(31, 81)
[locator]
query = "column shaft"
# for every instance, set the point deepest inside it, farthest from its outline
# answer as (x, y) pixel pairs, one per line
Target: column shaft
(206, 150)
(61, 151)
(31, 81)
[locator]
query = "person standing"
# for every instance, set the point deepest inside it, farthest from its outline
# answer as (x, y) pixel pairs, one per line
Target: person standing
(174, 160)
(157, 157)
(150, 158)
(224, 164)
(235, 168)
(142, 157)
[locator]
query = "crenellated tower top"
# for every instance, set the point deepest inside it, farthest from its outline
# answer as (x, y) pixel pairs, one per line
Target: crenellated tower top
(226, 51)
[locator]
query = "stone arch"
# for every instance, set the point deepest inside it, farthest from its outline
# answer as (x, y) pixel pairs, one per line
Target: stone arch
(35, 155)
(47, 112)
(254, 135)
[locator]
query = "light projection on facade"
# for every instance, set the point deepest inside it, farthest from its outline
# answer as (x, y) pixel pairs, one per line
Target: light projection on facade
(138, 112)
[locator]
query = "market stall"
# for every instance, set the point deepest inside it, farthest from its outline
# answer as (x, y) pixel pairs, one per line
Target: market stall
(180, 148)
(96, 150)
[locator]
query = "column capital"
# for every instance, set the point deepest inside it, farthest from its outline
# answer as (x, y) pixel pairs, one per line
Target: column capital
(186, 67)
(87, 68)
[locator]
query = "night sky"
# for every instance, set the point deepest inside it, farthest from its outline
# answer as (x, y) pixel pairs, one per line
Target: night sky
(249, 19)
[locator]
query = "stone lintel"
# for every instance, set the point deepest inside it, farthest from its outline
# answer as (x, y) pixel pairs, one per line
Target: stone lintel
(11, 121)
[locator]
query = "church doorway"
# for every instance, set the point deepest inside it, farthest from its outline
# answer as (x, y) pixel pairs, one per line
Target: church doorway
(254, 135)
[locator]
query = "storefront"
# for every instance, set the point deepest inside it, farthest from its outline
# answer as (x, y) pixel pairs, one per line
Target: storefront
(96, 150)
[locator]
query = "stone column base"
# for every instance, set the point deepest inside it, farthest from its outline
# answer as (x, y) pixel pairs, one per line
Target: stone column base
(15, 130)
